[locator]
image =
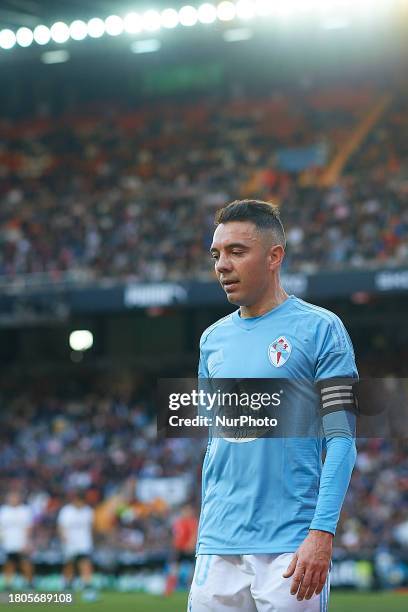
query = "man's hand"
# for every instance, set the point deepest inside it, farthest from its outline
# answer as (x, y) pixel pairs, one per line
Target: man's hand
(310, 564)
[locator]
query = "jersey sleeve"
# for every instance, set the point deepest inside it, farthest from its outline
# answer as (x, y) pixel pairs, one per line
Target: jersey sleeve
(335, 370)
(335, 374)
(334, 482)
(334, 355)
(202, 364)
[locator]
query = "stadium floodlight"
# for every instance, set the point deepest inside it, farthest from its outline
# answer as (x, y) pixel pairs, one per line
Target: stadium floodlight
(188, 16)
(169, 18)
(288, 8)
(282, 10)
(81, 340)
(24, 37)
(114, 25)
(60, 32)
(96, 27)
(132, 23)
(146, 46)
(263, 8)
(237, 34)
(226, 11)
(245, 9)
(304, 6)
(7, 39)
(42, 35)
(78, 30)
(207, 13)
(151, 21)
(55, 57)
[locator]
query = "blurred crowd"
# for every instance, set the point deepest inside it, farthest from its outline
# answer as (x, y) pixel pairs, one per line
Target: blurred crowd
(111, 191)
(375, 513)
(106, 446)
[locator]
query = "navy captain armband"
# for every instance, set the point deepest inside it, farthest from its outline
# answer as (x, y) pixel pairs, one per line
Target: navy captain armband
(338, 394)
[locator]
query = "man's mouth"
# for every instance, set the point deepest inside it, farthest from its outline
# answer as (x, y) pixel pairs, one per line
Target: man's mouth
(229, 285)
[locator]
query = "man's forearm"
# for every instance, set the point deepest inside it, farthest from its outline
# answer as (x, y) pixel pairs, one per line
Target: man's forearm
(334, 482)
(339, 428)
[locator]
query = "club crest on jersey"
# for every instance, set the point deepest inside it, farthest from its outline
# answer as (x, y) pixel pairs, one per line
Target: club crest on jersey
(279, 351)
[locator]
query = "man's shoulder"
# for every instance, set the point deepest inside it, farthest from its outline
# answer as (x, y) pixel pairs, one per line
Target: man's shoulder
(317, 314)
(329, 330)
(224, 321)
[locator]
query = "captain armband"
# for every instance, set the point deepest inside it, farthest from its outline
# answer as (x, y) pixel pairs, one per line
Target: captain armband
(338, 394)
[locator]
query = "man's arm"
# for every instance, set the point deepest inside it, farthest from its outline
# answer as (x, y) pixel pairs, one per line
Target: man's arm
(61, 531)
(310, 563)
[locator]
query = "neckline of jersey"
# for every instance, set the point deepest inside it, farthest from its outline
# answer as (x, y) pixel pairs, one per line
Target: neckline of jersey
(252, 322)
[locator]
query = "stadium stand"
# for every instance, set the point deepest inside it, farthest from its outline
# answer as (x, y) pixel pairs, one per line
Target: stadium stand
(128, 193)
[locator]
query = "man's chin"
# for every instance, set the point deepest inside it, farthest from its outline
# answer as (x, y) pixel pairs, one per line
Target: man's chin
(234, 299)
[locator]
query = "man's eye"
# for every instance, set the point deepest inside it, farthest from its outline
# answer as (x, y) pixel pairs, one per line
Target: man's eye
(214, 255)
(237, 252)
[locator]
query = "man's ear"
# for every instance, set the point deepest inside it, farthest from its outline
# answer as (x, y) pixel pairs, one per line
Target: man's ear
(275, 256)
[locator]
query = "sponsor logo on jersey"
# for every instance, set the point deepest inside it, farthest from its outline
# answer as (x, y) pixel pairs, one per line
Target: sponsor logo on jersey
(279, 351)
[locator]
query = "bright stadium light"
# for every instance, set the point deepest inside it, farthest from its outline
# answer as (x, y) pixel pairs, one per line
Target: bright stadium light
(305, 6)
(7, 39)
(78, 30)
(146, 46)
(96, 27)
(245, 9)
(24, 37)
(207, 13)
(169, 18)
(226, 11)
(132, 23)
(60, 32)
(151, 21)
(114, 25)
(263, 8)
(42, 35)
(288, 8)
(55, 57)
(283, 10)
(81, 340)
(188, 16)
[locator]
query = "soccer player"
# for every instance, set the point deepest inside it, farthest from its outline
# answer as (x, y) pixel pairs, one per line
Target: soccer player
(269, 507)
(15, 534)
(75, 523)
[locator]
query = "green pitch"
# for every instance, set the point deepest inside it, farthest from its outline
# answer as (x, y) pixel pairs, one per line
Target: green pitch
(126, 602)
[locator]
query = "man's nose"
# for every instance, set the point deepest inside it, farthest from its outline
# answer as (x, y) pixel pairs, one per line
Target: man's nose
(223, 264)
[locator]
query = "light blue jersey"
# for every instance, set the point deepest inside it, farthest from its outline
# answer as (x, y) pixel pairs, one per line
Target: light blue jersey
(261, 496)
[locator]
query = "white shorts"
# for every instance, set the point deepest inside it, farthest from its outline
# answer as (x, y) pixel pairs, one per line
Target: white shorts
(248, 583)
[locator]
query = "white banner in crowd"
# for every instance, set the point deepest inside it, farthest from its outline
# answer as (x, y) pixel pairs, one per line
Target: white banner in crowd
(174, 490)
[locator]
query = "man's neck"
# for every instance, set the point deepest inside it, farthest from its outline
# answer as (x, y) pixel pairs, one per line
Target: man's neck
(257, 310)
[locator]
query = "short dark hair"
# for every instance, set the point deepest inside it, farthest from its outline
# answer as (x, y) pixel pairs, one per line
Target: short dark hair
(263, 215)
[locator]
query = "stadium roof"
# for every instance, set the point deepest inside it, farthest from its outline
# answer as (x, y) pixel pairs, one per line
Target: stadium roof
(29, 13)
